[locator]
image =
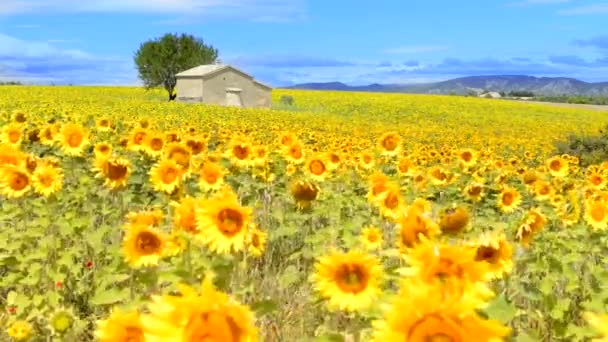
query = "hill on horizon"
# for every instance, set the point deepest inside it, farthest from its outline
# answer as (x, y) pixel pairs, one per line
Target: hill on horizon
(461, 86)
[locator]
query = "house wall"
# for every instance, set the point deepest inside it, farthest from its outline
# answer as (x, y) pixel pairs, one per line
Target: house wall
(251, 94)
(189, 89)
(263, 98)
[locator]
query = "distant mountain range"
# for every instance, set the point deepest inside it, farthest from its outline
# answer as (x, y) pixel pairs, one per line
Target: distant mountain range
(479, 84)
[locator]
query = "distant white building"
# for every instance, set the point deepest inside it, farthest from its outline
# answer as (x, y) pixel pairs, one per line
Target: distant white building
(491, 95)
(221, 85)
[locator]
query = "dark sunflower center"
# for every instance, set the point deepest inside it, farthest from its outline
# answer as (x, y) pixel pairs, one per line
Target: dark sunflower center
(305, 192)
(169, 175)
(148, 243)
(139, 138)
(134, 334)
(508, 198)
(555, 165)
(156, 144)
(390, 143)
(316, 167)
(241, 152)
(392, 200)
(488, 254)
(75, 139)
(466, 156)
(230, 221)
(116, 171)
(213, 326)
(352, 278)
(14, 136)
(19, 181)
(255, 240)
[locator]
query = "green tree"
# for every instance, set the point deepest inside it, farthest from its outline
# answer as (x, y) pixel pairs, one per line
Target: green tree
(159, 60)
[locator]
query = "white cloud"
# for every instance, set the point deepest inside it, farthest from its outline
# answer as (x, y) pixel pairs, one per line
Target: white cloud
(256, 10)
(42, 62)
(414, 49)
(593, 9)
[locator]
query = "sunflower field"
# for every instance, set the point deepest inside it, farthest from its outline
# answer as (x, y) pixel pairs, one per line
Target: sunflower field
(345, 217)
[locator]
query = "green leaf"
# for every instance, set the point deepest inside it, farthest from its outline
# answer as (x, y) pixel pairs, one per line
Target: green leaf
(330, 337)
(501, 310)
(290, 275)
(109, 296)
(264, 307)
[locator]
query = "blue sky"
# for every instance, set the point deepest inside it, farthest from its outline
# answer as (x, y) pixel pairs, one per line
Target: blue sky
(296, 41)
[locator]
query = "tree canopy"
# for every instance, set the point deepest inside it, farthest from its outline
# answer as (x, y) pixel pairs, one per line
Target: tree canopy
(159, 60)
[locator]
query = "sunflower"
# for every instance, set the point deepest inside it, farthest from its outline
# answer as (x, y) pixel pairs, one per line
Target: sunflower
(147, 218)
(406, 167)
(439, 176)
(102, 150)
(596, 180)
(495, 250)
(294, 153)
(115, 171)
(103, 124)
(508, 199)
(20, 330)
(390, 202)
(474, 191)
(61, 321)
(11, 134)
(529, 177)
(599, 323)
(181, 155)
(222, 222)
(256, 241)
(208, 315)
(536, 219)
(543, 190)
(73, 139)
(196, 145)
(10, 155)
(334, 160)
(19, 117)
(287, 139)
(455, 266)
(422, 205)
(166, 176)
(260, 155)
(304, 193)
(240, 153)
(596, 213)
(378, 184)
(48, 135)
(557, 166)
(467, 157)
(366, 161)
(349, 280)
(47, 180)
(153, 144)
(143, 245)
(211, 176)
(184, 217)
(14, 181)
(454, 220)
(421, 313)
(413, 225)
(120, 327)
(390, 144)
(371, 237)
(316, 168)
(533, 223)
(137, 139)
